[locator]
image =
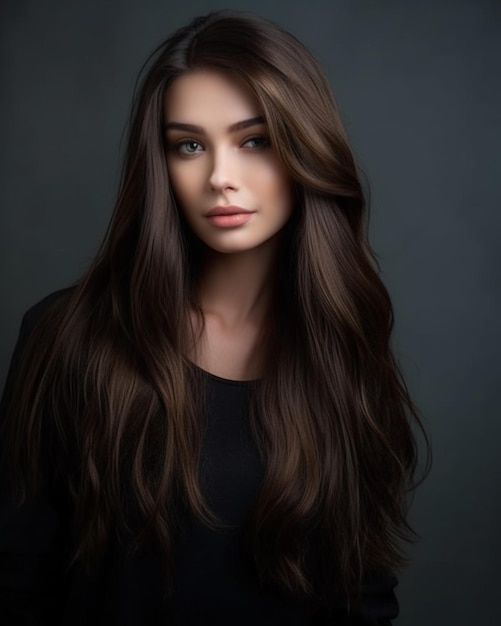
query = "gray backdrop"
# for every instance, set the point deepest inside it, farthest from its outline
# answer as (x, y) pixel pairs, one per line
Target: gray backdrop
(418, 86)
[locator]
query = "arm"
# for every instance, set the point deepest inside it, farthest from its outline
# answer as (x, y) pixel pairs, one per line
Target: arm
(379, 604)
(378, 607)
(30, 533)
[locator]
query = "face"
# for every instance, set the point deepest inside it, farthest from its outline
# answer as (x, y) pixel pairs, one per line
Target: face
(228, 182)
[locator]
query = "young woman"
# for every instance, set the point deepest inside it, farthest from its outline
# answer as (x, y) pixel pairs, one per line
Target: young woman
(209, 427)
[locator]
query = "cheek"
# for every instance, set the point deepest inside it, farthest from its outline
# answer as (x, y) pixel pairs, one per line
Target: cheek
(269, 175)
(183, 181)
(275, 189)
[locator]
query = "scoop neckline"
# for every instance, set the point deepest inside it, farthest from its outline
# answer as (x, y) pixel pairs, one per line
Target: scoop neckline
(225, 381)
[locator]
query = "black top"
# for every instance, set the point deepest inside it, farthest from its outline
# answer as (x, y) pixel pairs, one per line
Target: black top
(215, 582)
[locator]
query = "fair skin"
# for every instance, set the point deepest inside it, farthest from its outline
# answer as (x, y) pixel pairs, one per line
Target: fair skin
(212, 162)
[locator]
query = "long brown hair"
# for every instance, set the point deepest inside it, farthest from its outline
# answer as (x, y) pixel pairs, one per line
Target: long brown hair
(105, 378)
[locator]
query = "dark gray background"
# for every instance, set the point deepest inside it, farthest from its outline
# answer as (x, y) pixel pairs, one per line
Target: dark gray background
(418, 86)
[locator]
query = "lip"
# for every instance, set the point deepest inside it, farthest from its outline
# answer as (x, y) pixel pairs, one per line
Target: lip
(230, 220)
(226, 210)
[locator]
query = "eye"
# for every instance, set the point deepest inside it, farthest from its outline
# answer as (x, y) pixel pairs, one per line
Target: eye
(259, 142)
(188, 146)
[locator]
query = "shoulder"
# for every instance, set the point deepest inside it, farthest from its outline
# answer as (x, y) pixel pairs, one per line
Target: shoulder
(32, 317)
(36, 312)
(24, 345)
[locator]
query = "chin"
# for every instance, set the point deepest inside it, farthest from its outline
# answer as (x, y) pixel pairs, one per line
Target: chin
(230, 249)
(229, 245)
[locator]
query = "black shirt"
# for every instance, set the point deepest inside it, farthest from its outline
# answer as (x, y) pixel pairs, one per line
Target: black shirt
(214, 578)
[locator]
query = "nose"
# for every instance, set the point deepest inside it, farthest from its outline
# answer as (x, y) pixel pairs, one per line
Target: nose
(223, 174)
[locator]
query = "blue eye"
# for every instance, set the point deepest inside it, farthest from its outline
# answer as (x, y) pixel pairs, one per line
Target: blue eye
(188, 146)
(258, 142)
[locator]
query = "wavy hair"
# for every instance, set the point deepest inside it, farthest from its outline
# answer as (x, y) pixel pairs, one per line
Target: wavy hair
(106, 380)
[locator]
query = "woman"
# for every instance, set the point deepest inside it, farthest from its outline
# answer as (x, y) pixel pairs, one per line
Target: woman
(209, 426)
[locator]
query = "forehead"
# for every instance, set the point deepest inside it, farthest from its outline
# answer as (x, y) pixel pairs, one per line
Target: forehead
(206, 97)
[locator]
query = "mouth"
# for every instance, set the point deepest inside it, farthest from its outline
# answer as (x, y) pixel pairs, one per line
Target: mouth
(229, 216)
(227, 210)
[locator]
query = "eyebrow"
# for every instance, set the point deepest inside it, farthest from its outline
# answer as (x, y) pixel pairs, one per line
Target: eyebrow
(253, 121)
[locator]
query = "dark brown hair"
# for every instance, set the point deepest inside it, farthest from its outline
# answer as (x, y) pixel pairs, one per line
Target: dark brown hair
(105, 378)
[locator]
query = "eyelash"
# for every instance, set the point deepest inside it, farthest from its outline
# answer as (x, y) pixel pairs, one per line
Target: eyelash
(177, 147)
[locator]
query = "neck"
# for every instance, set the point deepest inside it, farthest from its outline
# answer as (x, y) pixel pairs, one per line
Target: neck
(238, 288)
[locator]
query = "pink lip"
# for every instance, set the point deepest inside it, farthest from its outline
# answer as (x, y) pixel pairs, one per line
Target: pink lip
(226, 210)
(231, 220)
